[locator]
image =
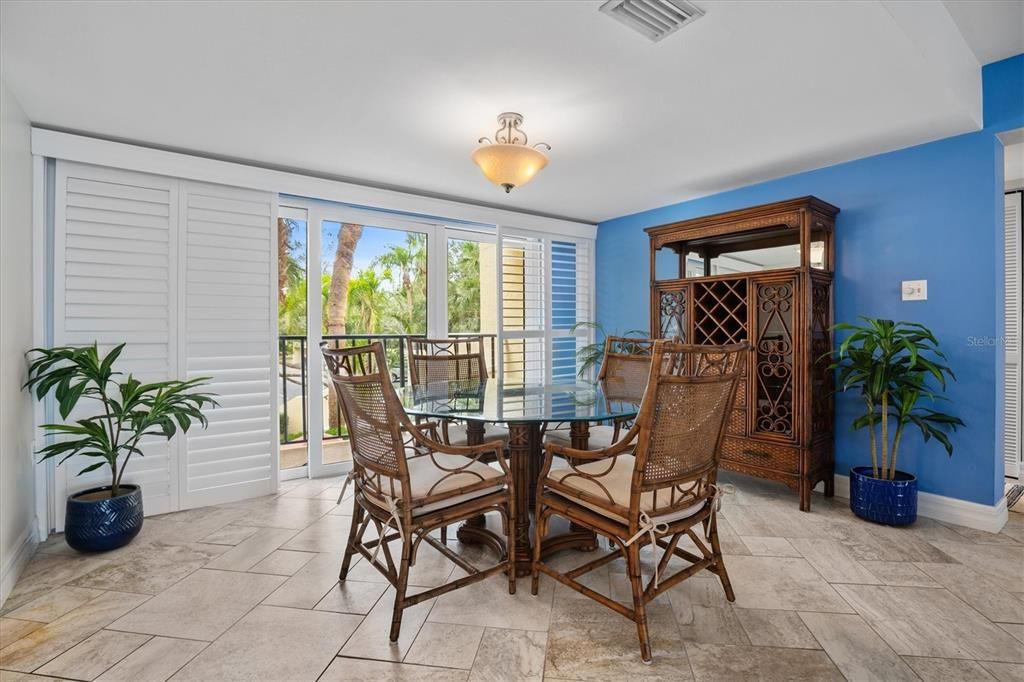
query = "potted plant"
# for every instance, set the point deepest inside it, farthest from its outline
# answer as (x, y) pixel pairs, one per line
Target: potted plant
(891, 364)
(590, 355)
(107, 517)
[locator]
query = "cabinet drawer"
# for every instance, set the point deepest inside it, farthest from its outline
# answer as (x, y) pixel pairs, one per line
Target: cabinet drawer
(759, 454)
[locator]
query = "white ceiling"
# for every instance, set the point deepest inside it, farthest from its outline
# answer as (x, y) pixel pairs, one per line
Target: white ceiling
(396, 93)
(994, 29)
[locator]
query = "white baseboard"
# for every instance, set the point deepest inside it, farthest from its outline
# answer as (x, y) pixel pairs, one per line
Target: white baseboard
(949, 509)
(15, 562)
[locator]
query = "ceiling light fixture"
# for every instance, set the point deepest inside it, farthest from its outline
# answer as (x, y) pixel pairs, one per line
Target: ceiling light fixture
(508, 161)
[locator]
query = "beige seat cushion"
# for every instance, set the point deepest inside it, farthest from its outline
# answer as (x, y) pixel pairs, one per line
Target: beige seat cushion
(457, 433)
(617, 482)
(600, 437)
(426, 479)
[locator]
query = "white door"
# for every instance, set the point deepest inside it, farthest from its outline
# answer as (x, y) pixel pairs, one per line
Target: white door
(114, 258)
(228, 332)
(1012, 419)
(181, 272)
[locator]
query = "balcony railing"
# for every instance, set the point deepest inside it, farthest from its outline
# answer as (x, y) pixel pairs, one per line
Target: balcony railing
(294, 379)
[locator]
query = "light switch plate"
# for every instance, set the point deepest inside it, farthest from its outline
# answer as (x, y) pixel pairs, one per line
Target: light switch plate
(915, 290)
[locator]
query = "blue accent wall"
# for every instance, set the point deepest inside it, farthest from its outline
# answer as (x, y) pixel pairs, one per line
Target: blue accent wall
(931, 212)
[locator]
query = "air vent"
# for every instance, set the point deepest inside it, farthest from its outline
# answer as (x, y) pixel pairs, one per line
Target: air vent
(655, 19)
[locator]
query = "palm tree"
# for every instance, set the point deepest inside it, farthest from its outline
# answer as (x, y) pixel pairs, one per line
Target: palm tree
(337, 298)
(284, 234)
(464, 286)
(366, 300)
(410, 261)
(337, 301)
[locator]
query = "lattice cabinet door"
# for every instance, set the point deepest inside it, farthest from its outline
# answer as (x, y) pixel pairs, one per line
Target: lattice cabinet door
(720, 311)
(670, 311)
(775, 381)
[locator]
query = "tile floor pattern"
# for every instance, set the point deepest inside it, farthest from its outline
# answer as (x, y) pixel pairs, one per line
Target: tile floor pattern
(249, 591)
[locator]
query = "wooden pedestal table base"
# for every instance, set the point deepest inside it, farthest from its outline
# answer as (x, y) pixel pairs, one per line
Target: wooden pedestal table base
(525, 457)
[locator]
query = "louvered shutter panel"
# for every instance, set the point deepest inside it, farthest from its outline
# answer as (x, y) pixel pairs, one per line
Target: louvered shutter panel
(114, 260)
(570, 306)
(1012, 440)
(228, 325)
(523, 313)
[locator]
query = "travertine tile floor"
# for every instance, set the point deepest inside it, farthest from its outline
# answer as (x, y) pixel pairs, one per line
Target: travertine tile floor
(249, 591)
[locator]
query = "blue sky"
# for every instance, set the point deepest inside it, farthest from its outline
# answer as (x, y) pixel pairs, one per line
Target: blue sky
(372, 244)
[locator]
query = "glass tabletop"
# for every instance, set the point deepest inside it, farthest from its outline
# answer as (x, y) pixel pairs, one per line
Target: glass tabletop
(494, 401)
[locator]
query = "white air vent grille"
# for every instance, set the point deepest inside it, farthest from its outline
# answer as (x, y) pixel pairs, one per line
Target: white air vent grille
(655, 19)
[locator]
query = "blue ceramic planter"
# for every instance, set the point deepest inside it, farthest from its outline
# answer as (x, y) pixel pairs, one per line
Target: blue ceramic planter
(893, 503)
(100, 523)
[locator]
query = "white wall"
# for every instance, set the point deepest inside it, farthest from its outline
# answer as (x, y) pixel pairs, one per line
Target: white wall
(17, 506)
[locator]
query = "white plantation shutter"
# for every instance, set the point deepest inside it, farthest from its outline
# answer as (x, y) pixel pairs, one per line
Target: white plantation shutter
(114, 256)
(228, 334)
(571, 304)
(1012, 440)
(183, 274)
(523, 308)
(546, 287)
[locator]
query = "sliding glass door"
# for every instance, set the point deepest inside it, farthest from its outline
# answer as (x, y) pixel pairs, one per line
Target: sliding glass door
(368, 280)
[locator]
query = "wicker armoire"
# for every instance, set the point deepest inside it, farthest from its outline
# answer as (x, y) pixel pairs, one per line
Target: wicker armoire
(762, 274)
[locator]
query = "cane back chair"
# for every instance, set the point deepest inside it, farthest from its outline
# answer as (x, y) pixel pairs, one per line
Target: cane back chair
(442, 360)
(408, 484)
(622, 377)
(656, 485)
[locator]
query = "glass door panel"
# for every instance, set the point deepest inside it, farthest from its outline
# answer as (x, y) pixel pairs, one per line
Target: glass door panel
(472, 301)
(292, 329)
(373, 282)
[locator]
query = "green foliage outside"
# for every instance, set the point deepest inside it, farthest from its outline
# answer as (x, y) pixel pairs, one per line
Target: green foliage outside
(389, 296)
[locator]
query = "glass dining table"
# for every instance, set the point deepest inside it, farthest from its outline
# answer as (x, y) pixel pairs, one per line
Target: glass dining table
(524, 409)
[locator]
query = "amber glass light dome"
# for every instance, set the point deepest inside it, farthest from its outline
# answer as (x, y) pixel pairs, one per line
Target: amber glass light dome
(509, 165)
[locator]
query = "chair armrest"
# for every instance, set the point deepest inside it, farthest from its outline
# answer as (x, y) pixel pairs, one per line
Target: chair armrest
(614, 449)
(569, 454)
(471, 452)
(427, 428)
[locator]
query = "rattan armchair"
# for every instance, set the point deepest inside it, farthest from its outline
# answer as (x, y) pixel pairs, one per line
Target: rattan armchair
(622, 377)
(656, 485)
(442, 360)
(408, 484)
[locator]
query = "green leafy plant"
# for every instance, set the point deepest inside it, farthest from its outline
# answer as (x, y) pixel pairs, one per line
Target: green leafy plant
(590, 355)
(129, 409)
(891, 364)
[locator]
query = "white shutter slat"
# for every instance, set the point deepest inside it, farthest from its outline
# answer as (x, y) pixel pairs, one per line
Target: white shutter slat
(107, 202)
(1012, 426)
(113, 254)
(82, 186)
(113, 217)
(226, 243)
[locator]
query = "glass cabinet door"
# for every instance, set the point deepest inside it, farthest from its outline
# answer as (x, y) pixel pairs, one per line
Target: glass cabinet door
(670, 313)
(774, 365)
